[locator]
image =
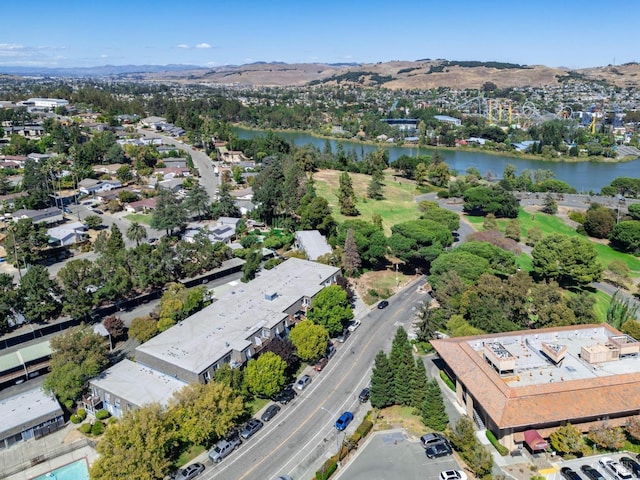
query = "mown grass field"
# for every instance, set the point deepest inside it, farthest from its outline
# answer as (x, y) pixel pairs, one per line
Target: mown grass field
(139, 217)
(397, 206)
(549, 224)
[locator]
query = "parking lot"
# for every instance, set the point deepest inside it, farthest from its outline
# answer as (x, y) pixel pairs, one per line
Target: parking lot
(591, 461)
(391, 455)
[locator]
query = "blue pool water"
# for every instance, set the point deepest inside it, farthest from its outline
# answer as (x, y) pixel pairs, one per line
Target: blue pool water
(73, 471)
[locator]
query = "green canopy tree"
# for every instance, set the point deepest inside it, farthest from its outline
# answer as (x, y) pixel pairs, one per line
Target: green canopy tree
(419, 383)
(38, 295)
(347, 196)
(482, 200)
(265, 376)
(169, 214)
(76, 277)
(136, 232)
(309, 339)
(382, 383)
(625, 237)
(567, 439)
(351, 261)
(197, 201)
(331, 309)
(433, 411)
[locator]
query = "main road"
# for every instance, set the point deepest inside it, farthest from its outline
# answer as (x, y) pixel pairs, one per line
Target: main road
(302, 435)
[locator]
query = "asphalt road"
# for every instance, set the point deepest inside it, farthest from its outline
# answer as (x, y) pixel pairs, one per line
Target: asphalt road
(298, 440)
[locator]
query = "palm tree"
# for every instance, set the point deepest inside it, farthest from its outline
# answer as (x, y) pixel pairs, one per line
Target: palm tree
(136, 232)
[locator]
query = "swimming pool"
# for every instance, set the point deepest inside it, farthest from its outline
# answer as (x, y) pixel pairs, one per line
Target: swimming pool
(72, 471)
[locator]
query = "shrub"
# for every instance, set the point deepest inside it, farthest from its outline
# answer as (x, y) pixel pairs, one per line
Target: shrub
(445, 378)
(82, 413)
(97, 428)
(68, 404)
(85, 428)
(373, 292)
(502, 450)
(75, 418)
(102, 414)
(327, 469)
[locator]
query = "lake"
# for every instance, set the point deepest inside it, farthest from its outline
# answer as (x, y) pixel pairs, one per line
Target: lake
(584, 176)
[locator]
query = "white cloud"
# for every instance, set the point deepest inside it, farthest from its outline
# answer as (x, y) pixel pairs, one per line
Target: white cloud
(203, 45)
(104, 56)
(182, 45)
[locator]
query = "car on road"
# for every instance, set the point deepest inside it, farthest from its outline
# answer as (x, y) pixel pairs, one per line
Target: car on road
(303, 382)
(223, 448)
(97, 210)
(192, 471)
(285, 396)
(615, 469)
(353, 325)
(364, 395)
(66, 210)
(438, 450)
(284, 477)
(152, 241)
(343, 336)
(383, 304)
(250, 428)
(344, 421)
(569, 473)
(453, 475)
(591, 472)
(631, 465)
(270, 412)
(320, 364)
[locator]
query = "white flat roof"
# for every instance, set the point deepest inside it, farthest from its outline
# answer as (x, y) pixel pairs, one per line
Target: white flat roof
(137, 384)
(200, 340)
(23, 409)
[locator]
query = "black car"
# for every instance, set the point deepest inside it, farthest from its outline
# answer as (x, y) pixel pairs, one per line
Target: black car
(251, 427)
(569, 473)
(591, 472)
(364, 395)
(270, 412)
(285, 396)
(383, 304)
(631, 465)
(438, 450)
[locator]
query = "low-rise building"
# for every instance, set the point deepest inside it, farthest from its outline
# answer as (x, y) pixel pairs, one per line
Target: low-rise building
(312, 243)
(68, 234)
(49, 215)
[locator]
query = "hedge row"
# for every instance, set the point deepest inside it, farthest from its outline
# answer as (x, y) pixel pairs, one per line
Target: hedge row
(445, 378)
(502, 450)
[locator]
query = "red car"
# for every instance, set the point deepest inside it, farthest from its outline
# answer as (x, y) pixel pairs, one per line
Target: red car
(321, 364)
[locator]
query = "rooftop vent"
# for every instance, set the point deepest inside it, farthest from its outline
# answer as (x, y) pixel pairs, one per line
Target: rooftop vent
(270, 295)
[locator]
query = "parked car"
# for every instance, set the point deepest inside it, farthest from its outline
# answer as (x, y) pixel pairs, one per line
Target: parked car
(285, 396)
(250, 428)
(343, 336)
(344, 421)
(591, 472)
(303, 382)
(97, 210)
(67, 210)
(353, 325)
(320, 364)
(284, 477)
(223, 448)
(383, 304)
(331, 350)
(270, 412)
(432, 438)
(569, 473)
(453, 475)
(192, 471)
(152, 241)
(364, 395)
(438, 450)
(631, 465)
(615, 469)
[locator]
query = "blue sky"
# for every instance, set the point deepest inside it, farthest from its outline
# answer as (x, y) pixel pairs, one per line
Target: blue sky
(70, 33)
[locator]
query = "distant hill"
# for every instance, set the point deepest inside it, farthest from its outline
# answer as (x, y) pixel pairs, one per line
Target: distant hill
(420, 74)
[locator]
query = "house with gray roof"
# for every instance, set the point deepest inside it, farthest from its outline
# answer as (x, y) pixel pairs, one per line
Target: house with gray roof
(49, 215)
(68, 234)
(312, 243)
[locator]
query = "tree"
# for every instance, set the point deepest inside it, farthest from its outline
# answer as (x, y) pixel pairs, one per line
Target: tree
(463, 438)
(374, 190)
(599, 222)
(169, 213)
(78, 355)
(138, 446)
(419, 383)
(143, 328)
(402, 365)
(38, 295)
(93, 221)
(549, 206)
(331, 309)
(382, 384)
(620, 310)
(633, 428)
(351, 258)
(609, 438)
(309, 339)
(197, 201)
(480, 201)
(567, 439)
(203, 413)
(115, 326)
(25, 242)
(571, 261)
(347, 196)
(625, 237)
(124, 173)
(490, 222)
(225, 205)
(315, 214)
(433, 411)
(251, 266)
(513, 230)
(77, 277)
(8, 300)
(136, 232)
(631, 327)
(265, 376)
(462, 434)
(283, 347)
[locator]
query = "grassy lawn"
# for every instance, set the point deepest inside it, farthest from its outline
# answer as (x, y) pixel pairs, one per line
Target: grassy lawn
(139, 217)
(397, 206)
(549, 224)
(257, 404)
(188, 455)
(383, 281)
(525, 262)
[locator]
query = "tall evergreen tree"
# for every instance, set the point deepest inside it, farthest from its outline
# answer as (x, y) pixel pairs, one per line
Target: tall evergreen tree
(374, 190)
(402, 380)
(351, 261)
(401, 356)
(419, 383)
(347, 196)
(433, 412)
(382, 388)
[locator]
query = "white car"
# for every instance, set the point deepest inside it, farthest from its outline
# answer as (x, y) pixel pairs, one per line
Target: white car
(615, 469)
(353, 325)
(453, 475)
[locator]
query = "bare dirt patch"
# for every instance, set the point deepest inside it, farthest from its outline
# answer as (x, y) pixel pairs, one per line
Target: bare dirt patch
(385, 282)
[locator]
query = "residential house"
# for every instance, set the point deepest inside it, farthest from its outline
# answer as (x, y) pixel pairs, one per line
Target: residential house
(49, 215)
(143, 205)
(68, 234)
(174, 162)
(312, 243)
(9, 200)
(172, 184)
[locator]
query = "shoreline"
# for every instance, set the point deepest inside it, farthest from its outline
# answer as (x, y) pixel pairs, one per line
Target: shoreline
(513, 155)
